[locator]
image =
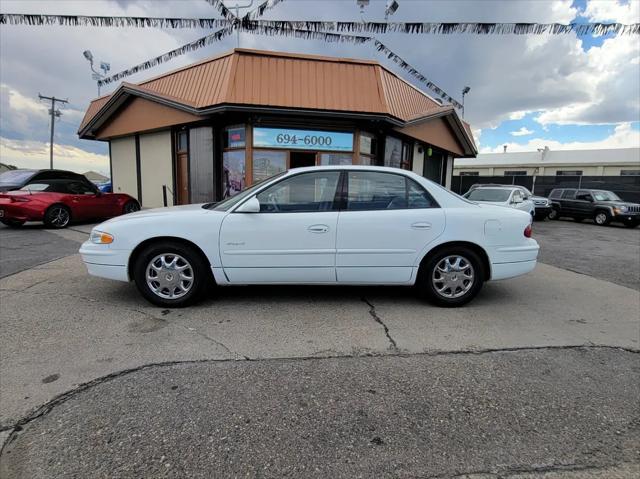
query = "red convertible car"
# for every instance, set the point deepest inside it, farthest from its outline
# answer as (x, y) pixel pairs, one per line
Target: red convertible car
(57, 202)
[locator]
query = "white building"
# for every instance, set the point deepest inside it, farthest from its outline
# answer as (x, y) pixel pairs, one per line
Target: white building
(545, 162)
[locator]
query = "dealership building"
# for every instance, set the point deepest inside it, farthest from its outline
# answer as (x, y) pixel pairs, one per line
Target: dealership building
(206, 131)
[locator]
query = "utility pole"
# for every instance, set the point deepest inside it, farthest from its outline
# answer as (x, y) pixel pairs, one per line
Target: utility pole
(54, 113)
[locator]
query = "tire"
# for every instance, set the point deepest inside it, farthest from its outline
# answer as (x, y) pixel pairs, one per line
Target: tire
(578, 220)
(130, 207)
(431, 272)
(189, 271)
(12, 223)
(57, 217)
(554, 214)
(602, 218)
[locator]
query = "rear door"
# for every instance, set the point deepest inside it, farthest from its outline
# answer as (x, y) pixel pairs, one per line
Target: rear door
(386, 222)
(293, 237)
(567, 201)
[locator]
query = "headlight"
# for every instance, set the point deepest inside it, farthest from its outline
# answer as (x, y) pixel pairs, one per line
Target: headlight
(624, 209)
(100, 237)
(620, 209)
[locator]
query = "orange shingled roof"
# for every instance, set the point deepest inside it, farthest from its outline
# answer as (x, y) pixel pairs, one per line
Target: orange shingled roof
(262, 78)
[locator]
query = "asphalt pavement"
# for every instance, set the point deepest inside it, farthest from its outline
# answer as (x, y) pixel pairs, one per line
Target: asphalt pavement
(611, 253)
(415, 416)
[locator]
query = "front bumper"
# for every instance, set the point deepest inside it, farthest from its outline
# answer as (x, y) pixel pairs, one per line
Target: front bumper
(627, 217)
(543, 211)
(104, 261)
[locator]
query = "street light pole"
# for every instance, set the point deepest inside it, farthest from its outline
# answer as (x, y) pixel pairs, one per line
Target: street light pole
(238, 7)
(54, 113)
(465, 90)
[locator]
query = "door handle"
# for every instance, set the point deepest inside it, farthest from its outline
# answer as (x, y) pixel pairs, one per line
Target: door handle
(318, 228)
(421, 226)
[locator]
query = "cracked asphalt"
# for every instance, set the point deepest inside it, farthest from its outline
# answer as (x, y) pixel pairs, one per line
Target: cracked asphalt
(538, 377)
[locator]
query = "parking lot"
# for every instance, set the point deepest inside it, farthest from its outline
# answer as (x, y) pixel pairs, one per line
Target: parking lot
(538, 377)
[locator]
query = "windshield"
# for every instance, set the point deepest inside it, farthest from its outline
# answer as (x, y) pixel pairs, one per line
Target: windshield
(606, 196)
(226, 204)
(15, 177)
(489, 194)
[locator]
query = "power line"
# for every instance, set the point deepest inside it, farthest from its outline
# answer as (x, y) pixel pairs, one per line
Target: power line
(54, 114)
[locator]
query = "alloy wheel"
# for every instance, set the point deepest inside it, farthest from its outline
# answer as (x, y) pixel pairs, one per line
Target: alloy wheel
(131, 207)
(169, 276)
(60, 217)
(601, 218)
(453, 276)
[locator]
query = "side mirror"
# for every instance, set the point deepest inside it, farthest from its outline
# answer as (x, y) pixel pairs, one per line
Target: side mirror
(252, 205)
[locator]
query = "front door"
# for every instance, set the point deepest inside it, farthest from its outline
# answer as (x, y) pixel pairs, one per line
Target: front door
(293, 237)
(88, 202)
(182, 178)
(388, 222)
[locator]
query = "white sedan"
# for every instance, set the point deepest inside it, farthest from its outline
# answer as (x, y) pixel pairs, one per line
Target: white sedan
(320, 225)
(507, 195)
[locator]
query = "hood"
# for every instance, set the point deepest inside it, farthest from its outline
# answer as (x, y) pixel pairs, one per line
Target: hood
(617, 203)
(159, 212)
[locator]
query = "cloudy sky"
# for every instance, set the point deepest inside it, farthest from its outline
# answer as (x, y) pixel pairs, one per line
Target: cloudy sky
(564, 92)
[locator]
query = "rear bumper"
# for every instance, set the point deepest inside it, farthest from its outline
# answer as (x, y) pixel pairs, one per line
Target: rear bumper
(21, 212)
(105, 262)
(511, 261)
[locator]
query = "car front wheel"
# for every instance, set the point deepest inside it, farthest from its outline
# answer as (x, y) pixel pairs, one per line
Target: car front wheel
(602, 218)
(553, 214)
(171, 274)
(130, 207)
(452, 277)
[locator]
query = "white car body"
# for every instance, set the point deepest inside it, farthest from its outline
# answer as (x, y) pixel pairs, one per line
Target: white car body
(515, 199)
(322, 247)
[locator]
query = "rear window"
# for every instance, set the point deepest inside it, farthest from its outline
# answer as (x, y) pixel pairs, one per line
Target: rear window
(489, 194)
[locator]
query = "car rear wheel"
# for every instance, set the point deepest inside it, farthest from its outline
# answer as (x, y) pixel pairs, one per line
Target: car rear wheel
(452, 277)
(130, 207)
(57, 216)
(171, 274)
(12, 223)
(602, 218)
(578, 220)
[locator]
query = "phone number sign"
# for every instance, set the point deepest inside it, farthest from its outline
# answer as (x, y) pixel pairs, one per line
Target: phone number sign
(302, 139)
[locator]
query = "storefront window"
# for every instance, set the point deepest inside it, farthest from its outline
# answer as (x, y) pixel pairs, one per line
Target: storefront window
(268, 163)
(234, 137)
(368, 148)
(233, 168)
(393, 152)
(335, 159)
(366, 160)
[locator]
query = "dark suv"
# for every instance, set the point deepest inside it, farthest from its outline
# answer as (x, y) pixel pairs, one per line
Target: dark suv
(600, 205)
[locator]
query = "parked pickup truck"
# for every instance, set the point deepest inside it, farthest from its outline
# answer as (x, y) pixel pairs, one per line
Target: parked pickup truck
(600, 205)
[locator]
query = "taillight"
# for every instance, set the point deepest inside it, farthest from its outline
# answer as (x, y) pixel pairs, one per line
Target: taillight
(528, 231)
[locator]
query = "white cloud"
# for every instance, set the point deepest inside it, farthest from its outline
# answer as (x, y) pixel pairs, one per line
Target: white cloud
(523, 131)
(607, 10)
(35, 154)
(517, 115)
(624, 136)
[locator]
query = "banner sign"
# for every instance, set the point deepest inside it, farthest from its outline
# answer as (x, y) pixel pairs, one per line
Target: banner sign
(291, 139)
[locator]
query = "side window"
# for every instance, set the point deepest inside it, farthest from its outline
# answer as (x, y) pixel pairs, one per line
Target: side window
(517, 196)
(583, 195)
(418, 196)
(376, 191)
(79, 188)
(568, 194)
(555, 194)
(301, 193)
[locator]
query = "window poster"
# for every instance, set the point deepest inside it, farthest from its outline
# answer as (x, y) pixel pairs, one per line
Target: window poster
(233, 165)
(268, 163)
